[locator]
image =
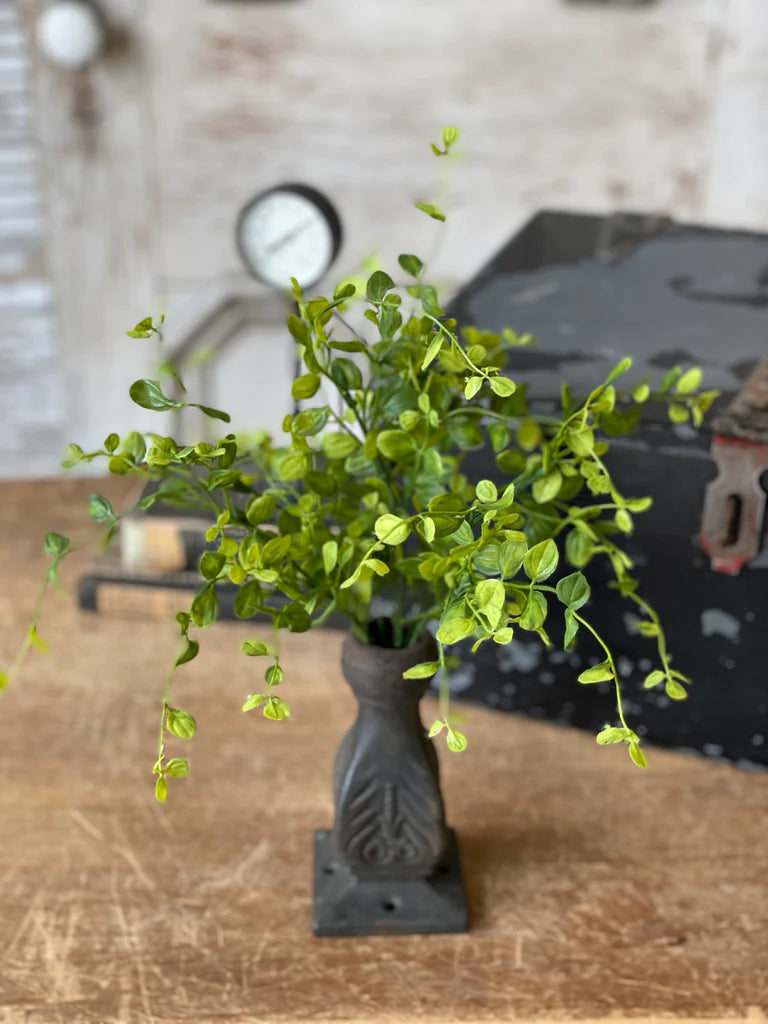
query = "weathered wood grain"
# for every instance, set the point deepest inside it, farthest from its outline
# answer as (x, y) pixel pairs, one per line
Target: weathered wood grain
(596, 891)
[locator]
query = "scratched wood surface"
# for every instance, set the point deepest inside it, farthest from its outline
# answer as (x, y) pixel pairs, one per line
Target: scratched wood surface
(596, 891)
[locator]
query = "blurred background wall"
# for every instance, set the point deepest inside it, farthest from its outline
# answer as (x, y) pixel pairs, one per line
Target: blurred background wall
(120, 184)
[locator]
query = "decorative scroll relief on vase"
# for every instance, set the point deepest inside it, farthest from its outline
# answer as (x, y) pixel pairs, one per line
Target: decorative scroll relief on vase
(388, 825)
(390, 819)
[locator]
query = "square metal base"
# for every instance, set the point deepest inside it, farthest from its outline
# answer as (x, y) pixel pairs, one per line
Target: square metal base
(346, 905)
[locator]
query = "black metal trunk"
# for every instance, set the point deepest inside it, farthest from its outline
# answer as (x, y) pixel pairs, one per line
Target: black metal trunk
(592, 290)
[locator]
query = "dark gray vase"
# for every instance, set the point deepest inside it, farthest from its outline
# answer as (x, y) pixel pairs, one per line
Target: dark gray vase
(390, 865)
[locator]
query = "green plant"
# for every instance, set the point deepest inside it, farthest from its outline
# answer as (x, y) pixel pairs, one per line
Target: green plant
(365, 505)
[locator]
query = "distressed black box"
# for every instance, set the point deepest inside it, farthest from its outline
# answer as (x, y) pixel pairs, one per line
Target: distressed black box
(591, 290)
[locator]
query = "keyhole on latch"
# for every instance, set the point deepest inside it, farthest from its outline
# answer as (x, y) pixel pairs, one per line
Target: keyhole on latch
(733, 512)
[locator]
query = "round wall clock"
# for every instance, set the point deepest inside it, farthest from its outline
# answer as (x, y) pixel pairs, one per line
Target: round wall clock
(288, 231)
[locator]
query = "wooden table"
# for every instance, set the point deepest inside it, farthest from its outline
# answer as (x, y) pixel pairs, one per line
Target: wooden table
(596, 890)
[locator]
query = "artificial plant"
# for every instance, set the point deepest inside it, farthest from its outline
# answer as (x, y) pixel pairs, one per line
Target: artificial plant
(363, 508)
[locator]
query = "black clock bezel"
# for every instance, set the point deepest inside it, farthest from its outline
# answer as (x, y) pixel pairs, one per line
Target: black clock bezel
(322, 203)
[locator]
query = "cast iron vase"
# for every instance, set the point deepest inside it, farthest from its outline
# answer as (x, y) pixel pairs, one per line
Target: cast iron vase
(390, 864)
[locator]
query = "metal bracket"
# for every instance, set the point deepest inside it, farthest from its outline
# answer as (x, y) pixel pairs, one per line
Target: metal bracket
(734, 503)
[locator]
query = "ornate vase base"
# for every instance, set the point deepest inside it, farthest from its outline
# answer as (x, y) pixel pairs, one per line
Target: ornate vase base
(345, 905)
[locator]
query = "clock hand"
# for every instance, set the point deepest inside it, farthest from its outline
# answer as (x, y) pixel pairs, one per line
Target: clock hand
(288, 236)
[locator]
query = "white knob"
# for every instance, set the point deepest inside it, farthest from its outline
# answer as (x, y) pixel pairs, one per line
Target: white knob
(70, 33)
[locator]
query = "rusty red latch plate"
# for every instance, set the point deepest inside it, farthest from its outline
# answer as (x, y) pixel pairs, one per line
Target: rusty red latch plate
(734, 503)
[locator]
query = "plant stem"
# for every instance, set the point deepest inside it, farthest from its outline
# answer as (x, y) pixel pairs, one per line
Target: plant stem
(609, 659)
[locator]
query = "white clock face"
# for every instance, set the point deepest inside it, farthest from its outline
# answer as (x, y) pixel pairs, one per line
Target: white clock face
(284, 234)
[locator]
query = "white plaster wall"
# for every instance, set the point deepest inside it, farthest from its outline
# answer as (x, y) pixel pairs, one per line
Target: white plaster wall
(146, 159)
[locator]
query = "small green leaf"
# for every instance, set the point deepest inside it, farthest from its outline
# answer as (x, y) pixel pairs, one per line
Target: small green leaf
(298, 328)
(597, 673)
(528, 435)
(641, 393)
(260, 509)
(535, 611)
(450, 136)
(411, 264)
(428, 297)
(637, 755)
(100, 509)
(690, 381)
(623, 520)
(189, 653)
(511, 555)
(274, 675)
(376, 565)
(254, 648)
(211, 564)
(571, 629)
(276, 709)
(436, 728)
(214, 414)
(205, 608)
(454, 630)
(678, 413)
(503, 386)
(181, 723)
(472, 386)
(490, 597)
(338, 445)
(135, 446)
(504, 635)
(275, 550)
(330, 552)
(456, 740)
(255, 700)
(431, 210)
(486, 491)
(161, 786)
(395, 444)
(305, 386)
(378, 285)
(653, 679)
(351, 580)
(427, 529)
(344, 291)
(579, 548)
(541, 560)
(581, 442)
(177, 768)
(391, 529)
(618, 370)
(423, 670)
(610, 735)
(639, 504)
(432, 349)
(149, 395)
(573, 590)
(56, 544)
(294, 466)
(675, 691)
(547, 488)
